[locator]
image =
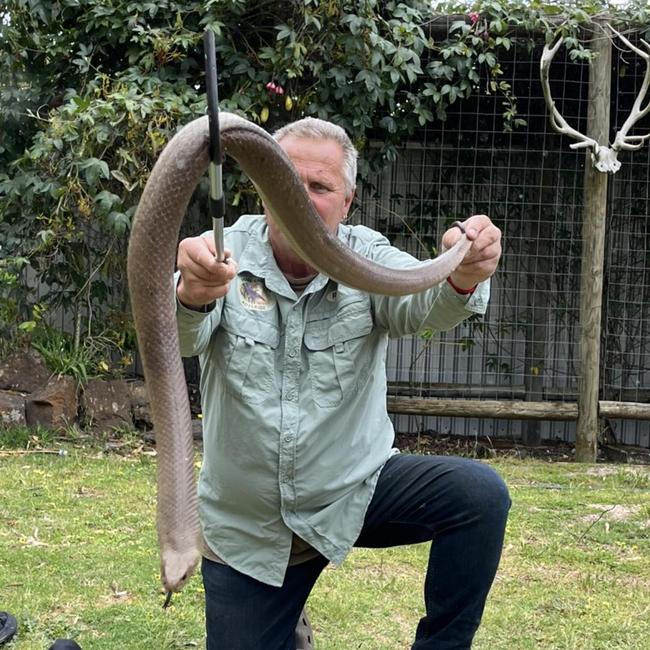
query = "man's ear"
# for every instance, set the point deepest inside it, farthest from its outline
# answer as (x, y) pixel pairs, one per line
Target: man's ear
(349, 199)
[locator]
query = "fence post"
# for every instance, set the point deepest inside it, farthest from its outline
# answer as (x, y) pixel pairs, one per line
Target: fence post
(593, 250)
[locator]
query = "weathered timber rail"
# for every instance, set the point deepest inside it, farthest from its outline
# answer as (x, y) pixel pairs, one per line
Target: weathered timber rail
(511, 409)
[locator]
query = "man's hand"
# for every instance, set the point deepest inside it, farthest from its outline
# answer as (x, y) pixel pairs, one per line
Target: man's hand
(483, 257)
(203, 279)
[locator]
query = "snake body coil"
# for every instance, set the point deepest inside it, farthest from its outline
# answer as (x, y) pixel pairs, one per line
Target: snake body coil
(151, 260)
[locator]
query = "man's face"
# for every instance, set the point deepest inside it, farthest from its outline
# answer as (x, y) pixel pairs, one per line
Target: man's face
(319, 164)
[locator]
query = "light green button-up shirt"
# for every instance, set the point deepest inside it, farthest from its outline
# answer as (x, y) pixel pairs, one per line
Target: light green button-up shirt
(295, 428)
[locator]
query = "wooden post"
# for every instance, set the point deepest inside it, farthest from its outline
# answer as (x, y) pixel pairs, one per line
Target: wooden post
(593, 252)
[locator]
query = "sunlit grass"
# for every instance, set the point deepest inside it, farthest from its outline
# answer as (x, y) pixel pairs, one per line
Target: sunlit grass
(78, 559)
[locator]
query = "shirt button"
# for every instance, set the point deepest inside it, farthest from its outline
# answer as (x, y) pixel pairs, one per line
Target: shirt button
(292, 353)
(288, 437)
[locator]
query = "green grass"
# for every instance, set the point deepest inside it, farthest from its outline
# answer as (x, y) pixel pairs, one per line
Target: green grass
(78, 559)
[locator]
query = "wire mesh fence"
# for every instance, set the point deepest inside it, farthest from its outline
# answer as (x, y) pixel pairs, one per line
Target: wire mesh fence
(531, 184)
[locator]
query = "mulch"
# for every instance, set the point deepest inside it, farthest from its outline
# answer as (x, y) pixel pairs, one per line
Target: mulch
(476, 447)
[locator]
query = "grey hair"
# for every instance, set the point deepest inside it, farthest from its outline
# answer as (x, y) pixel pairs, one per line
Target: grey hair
(313, 127)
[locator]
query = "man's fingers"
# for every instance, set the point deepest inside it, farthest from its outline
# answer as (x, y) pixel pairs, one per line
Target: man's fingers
(483, 249)
(206, 269)
(483, 257)
(487, 241)
(196, 255)
(203, 278)
(202, 252)
(473, 227)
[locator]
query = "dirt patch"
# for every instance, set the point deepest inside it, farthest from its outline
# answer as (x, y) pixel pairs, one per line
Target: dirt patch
(637, 471)
(612, 513)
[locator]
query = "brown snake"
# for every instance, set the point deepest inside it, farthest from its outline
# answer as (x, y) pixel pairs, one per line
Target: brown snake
(151, 260)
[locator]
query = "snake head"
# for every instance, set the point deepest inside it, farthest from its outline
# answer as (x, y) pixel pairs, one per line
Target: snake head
(177, 567)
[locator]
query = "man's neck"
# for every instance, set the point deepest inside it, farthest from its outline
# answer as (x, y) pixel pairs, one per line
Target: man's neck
(299, 284)
(295, 269)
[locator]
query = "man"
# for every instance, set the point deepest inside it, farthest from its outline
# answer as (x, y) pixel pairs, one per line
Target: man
(298, 462)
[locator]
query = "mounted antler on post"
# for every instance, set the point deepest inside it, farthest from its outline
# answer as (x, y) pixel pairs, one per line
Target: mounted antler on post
(622, 139)
(604, 158)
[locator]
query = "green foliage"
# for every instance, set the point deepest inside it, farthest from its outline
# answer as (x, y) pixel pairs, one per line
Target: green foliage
(22, 437)
(13, 297)
(71, 196)
(91, 357)
(91, 91)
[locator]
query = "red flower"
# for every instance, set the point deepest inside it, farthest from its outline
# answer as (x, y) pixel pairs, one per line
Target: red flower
(272, 88)
(474, 17)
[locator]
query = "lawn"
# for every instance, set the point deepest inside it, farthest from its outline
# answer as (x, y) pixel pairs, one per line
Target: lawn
(78, 559)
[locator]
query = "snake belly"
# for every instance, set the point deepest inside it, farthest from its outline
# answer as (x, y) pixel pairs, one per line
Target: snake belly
(151, 262)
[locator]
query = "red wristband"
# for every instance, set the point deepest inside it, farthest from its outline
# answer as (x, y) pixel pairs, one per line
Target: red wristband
(462, 292)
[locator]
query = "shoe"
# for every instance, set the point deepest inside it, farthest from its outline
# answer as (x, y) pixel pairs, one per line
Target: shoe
(65, 644)
(304, 633)
(8, 627)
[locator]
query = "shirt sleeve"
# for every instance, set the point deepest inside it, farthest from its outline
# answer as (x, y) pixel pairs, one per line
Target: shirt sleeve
(439, 308)
(194, 327)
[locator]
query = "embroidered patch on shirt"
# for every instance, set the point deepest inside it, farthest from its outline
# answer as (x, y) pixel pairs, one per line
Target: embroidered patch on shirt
(254, 296)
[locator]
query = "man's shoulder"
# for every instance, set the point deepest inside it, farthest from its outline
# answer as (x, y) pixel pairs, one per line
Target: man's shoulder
(248, 230)
(249, 224)
(360, 237)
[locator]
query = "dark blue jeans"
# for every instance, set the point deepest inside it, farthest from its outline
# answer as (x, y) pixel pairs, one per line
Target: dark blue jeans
(460, 505)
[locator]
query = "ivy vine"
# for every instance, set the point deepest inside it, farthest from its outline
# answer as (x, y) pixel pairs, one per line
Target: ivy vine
(90, 91)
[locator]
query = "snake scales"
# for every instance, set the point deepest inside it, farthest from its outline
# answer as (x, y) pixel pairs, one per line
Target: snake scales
(151, 260)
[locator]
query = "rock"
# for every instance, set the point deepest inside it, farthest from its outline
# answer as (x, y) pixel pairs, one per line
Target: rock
(197, 433)
(23, 371)
(140, 406)
(12, 409)
(106, 405)
(54, 406)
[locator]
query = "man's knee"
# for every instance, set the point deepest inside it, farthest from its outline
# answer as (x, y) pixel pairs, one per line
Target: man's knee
(491, 491)
(482, 489)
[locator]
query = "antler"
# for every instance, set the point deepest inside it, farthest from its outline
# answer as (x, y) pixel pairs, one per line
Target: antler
(557, 121)
(622, 139)
(603, 157)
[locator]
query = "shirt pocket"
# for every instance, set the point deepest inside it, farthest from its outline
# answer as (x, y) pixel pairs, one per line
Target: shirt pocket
(339, 353)
(248, 363)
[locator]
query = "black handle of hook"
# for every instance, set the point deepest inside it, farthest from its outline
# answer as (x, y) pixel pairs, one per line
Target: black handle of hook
(216, 155)
(217, 201)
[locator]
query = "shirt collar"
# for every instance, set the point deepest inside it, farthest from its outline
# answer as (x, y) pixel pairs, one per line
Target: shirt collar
(257, 259)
